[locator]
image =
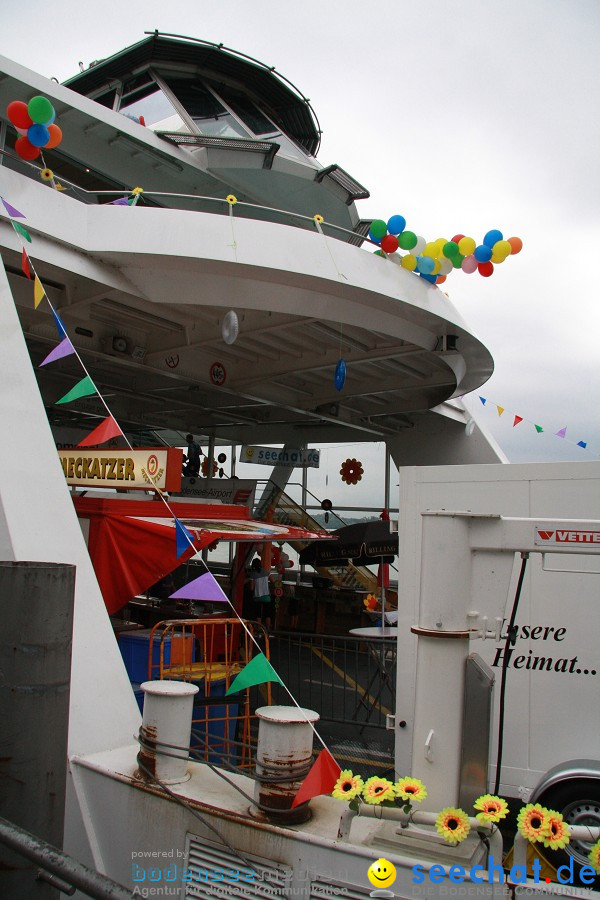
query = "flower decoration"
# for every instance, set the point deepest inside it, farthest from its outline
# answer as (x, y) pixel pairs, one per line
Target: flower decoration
(370, 601)
(46, 174)
(137, 190)
(491, 808)
(318, 218)
(231, 199)
(594, 856)
(559, 833)
(411, 789)
(452, 824)
(532, 822)
(348, 786)
(204, 468)
(351, 471)
(377, 789)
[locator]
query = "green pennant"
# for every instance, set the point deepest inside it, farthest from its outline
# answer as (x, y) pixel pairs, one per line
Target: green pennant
(82, 389)
(22, 231)
(539, 429)
(258, 670)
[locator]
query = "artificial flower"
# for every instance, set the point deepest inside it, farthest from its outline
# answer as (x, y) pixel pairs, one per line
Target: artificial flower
(318, 218)
(46, 174)
(594, 856)
(559, 833)
(532, 822)
(137, 190)
(231, 199)
(377, 789)
(351, 471)
(348, 786)
(492, 808)
(411, 789)
(453, 824)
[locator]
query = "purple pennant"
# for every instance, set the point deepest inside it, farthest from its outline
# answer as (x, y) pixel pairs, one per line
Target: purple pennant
(14, 213)
(206, 588)
(65, 348)
(122, 201)
(562, 433)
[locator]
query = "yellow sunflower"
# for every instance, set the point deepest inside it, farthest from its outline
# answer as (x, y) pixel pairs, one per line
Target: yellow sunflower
(348, 786)
(46, 174)
(453, 825)
(492, 808)
(532, 822)
(231, 199)
(377, 789)
(137, 190)
(318, 218)
(559, 833)
(594, 856)
(411, 789)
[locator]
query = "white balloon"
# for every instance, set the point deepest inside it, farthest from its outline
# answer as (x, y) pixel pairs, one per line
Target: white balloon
(420, 246)
(230, 327)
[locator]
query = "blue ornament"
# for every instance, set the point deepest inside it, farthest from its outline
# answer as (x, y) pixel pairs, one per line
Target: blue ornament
(340, 374)
(396, 225)
(482, 253)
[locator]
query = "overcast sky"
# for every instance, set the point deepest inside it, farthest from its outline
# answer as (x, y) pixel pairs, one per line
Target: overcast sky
(462, 117)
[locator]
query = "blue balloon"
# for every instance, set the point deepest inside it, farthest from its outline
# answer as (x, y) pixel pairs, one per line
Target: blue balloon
(376, 240)
(483, 253)
(51, 119)
(38, 135)
(430, 278)
(396, 225)
(425, 265)
(340, 374)
(493, 236)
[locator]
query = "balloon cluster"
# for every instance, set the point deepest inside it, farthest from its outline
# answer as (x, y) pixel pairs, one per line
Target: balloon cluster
(435, 260)
(34, 122)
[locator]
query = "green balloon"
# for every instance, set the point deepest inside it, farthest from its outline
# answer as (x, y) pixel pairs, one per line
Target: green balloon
(40, 110)
(379, 253)
(378, 228)
(457, 260)
(407, 240)
(450, 249)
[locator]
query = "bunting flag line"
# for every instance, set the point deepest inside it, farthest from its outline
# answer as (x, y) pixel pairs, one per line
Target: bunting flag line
(38, 292)
(257, 671)
(83, 388)
(62, 331)
(106, 430)
(22, 231)
(12, 212)
(205, 587)
(183, 538)
(65, 348)
(561, 433)
(321, 778)
(25, 263)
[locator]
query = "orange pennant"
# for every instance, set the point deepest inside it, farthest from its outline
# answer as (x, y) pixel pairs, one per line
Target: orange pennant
(500, 409)
(320, 780)
(38, 292)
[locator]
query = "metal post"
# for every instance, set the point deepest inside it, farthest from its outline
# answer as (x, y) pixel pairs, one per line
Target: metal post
(35, 661)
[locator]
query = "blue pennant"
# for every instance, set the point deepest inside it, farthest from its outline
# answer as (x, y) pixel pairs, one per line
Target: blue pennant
(183, 537)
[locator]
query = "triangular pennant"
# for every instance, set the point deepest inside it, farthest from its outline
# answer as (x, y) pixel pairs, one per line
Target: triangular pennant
(183, 538)
(483, 400)
(38, 292)
(82, 389)
(65, 348)
(562, 433)
(321, 779)
(11, 210)
(257, 671)
(122, 201)
(106, 430)
(22, 231)
(539, 429)
(25, 263)
(582, 444)
(60, 187)
(500, 409)
(59, 324)
(206, 588)
(517, 420)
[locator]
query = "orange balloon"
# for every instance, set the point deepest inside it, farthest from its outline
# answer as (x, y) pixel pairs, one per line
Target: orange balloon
(516, 245)
(55, 137)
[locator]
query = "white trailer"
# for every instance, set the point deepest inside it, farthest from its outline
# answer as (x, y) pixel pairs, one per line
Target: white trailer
(550, 746)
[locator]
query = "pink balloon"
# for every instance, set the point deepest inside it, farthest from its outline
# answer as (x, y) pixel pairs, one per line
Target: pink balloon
(21, 131)
(469, 264)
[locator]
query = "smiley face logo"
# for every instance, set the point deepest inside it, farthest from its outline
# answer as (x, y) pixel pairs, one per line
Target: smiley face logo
(381, 873)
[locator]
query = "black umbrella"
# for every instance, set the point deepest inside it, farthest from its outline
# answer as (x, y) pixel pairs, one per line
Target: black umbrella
(363, 543)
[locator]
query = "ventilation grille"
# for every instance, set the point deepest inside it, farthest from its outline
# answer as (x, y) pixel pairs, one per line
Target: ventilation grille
(207, 859)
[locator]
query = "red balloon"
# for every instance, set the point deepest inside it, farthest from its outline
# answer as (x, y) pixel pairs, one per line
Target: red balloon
(457, 238)
(18, 115)
(485, 269)
(25, 149)
(55, 137)
(389, 244)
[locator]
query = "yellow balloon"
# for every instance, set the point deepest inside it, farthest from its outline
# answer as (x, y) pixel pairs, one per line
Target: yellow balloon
(466, 246)
(502, 249)
(381, 873)
(436, 267)
(430, 249)
(409, 262)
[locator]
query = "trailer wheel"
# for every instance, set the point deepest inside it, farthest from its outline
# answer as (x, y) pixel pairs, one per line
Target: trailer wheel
(579, 803)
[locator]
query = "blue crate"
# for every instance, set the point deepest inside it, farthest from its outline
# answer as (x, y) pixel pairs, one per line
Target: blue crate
(134, 647)
(213, 730)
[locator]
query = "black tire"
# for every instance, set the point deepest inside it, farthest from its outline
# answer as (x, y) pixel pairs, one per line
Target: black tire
(579, 803)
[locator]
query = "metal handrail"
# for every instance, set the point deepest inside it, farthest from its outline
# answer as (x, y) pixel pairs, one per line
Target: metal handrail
(61, 865)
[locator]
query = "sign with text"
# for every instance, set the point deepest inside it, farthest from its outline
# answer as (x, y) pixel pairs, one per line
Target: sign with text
(566, 536)
(273, 456)
(226, 490)
(123, 468)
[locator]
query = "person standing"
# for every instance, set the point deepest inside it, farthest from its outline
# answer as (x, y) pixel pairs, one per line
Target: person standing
(262, 592)
(192, 463)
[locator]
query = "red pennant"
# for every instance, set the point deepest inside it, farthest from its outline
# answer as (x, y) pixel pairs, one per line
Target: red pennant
(517, 420)
(320, 780)
(107, 429)
(25, 264)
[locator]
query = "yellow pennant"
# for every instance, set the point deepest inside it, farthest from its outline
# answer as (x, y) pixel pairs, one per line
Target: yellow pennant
(500, 409)
(38, 292)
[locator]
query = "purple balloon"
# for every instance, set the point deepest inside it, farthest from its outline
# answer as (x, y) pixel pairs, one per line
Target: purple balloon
(469, 264)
